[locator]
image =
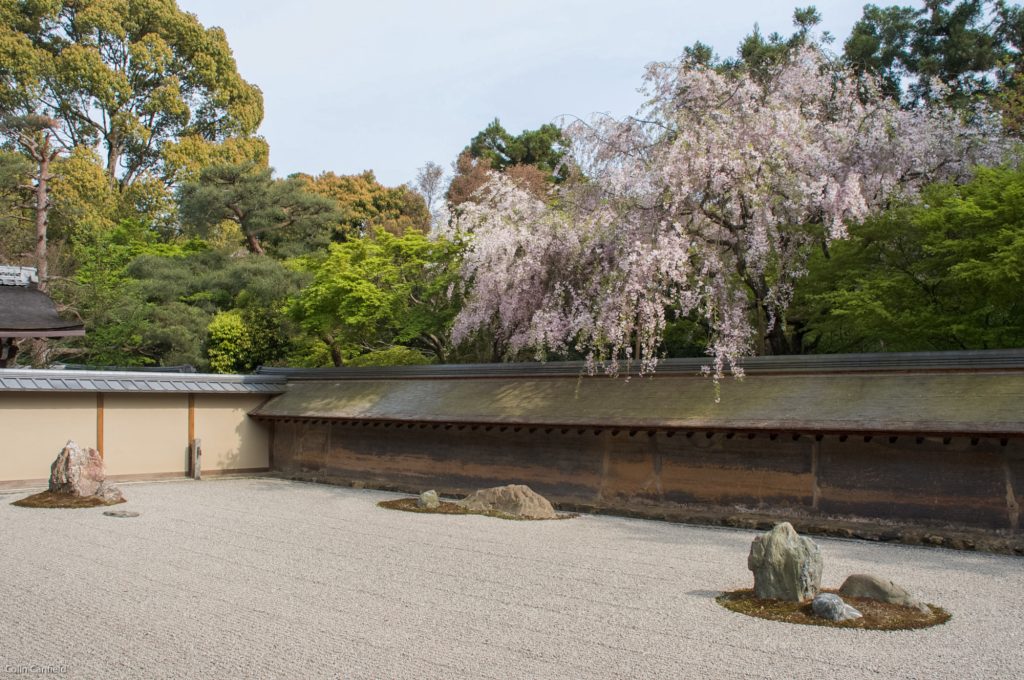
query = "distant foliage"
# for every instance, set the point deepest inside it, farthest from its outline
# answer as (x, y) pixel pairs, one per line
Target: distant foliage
(364, 204)
(380, 292)
(278, 213)
(943, 274)
(127, 77)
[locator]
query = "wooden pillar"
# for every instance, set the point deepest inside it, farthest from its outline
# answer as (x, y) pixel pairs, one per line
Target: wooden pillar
(191, 433)
(99, 423)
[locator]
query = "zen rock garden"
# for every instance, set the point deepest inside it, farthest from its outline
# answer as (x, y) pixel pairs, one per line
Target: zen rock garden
(77, 480)
(787, 571)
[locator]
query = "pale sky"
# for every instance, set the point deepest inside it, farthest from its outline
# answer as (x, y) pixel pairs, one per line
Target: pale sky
(391, 84)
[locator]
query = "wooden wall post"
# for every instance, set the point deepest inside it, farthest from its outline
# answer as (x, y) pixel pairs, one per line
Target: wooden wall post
(99, 423)
(191, 435)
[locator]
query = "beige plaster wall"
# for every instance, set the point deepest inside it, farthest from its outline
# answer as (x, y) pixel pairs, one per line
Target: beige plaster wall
(36, 426)
(145, 433)
(230, 439)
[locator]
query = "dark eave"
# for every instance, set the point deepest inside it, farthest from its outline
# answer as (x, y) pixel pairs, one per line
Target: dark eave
(28, 313)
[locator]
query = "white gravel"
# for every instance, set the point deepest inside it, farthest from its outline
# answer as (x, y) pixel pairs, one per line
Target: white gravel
(269, 578)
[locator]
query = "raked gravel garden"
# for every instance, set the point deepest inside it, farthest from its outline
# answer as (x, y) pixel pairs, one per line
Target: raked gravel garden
(262, 577)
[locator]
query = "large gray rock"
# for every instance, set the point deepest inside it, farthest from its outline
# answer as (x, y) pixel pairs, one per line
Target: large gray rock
(786, 566)
(428, 500)
(517, 500)
(76, 472)
(883, 590)
(832, 607)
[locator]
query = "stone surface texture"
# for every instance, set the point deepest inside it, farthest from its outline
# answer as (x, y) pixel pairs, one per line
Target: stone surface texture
(109, 493)
(517, 500)
(79, 472)
(786, 566)
(268, 578)
(881, 589)
(428, 500)
(76, 471)
(832, 607)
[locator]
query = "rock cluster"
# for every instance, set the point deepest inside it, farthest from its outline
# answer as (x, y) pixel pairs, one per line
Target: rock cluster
(517, 500)
(428, 500)
(786, 566)
(883, 590)
(78, 472)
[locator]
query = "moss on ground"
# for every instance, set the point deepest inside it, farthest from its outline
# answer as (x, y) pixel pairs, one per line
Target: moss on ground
(877, 615)
(449, 508)
(49, 499)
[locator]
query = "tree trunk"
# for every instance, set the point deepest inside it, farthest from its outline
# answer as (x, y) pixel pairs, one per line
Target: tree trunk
(335, 351)
(42, 208)
(113, 158)
(252, 242)
(777, 342)
(8, 352)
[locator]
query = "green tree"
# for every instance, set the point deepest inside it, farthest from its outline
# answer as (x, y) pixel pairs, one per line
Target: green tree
(759, 54)
(125, 75)
(16, 233)
(364, 204)
(280, 212)
(34, 137)
(533, 159)
(542, 148)
(941, 275)
(969, 46)
(380, 292)
(145, 302)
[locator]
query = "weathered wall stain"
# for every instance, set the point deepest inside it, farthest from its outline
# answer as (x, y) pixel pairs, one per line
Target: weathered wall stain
(970, 482)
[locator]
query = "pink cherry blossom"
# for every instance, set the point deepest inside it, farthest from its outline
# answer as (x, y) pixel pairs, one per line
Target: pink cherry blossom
(707, 201)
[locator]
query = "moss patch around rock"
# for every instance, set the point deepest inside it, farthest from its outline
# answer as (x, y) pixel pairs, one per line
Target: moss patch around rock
(449, 508)
(877, 615)
(49, 499)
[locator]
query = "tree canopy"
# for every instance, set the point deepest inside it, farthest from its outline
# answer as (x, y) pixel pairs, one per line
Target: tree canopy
(266, 210)
(127, 75)
(380, 292)
(942, 274)
(784, 198)
(708, 201)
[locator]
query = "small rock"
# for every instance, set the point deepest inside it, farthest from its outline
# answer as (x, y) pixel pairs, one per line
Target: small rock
(786, 566)
(517, 500)
(883, 590)
(428, 500)
(109, 493)
(121, 513)
(832, 607)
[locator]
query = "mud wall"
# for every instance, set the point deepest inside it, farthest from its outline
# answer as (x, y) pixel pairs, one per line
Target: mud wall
(961, 481)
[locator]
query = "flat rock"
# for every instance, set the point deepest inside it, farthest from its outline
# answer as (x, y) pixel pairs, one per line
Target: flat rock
(428, 500)
(121, 513)
(883, 590)
(832, 607)
(76, 471)
(517, 500)
(786, 566)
